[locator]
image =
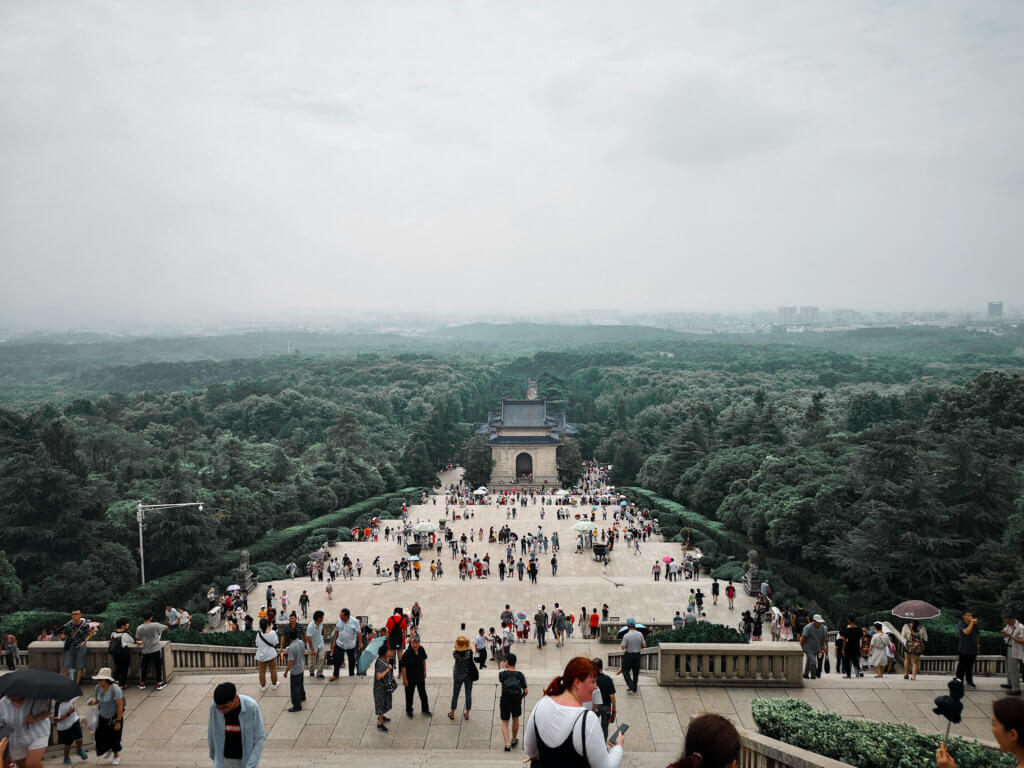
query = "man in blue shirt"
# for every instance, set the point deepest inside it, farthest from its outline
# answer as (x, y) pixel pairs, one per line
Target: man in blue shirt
(235, 732)
(315, 644)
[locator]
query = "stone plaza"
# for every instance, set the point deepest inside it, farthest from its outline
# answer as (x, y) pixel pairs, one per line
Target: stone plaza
(168, 727)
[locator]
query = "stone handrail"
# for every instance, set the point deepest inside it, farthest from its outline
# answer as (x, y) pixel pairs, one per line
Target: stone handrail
(649, 660)
(49, 654)
(759, 751)
(201, 658)
(722, 664)
(608, 630)
(985, 666)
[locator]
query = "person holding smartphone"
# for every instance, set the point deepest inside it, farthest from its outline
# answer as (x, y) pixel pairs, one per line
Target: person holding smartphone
(561, 733)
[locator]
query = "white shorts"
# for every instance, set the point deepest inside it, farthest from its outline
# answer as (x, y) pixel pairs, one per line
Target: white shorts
(20, 751)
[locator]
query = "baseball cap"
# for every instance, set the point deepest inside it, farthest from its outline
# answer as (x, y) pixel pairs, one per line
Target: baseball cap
(630, 622)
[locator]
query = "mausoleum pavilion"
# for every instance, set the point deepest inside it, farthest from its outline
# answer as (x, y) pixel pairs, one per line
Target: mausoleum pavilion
(524, 440)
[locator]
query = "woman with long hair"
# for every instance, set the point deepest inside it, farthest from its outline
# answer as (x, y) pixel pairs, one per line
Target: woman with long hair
(711, 742)
(561, 732)
(1007, 729)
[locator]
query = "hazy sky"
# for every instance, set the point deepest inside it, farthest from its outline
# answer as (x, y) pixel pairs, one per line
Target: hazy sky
(177, 160)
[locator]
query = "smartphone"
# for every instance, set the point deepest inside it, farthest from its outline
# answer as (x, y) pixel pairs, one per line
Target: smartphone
(623, 727)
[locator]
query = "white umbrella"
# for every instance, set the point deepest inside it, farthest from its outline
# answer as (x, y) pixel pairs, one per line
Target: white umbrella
(561, 492)
(583, 526)
(425, 527)
(480, 492)
(234, 588)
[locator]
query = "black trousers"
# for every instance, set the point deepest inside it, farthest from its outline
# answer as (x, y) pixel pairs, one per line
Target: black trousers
(122, 662)
(481, 657)
(154, 659)
(298, 688)
(851, 664)
(965, 667)
(631, 669)
(416, 685)
(340, 654)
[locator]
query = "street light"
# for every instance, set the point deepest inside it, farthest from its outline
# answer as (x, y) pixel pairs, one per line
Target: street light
(140, 514)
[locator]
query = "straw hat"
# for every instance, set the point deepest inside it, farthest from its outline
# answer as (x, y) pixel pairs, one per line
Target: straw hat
(104, 674)
(461, 644)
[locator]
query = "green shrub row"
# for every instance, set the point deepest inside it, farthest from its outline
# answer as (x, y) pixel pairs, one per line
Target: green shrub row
(182, 586)
(864, 743)
(676, 517)
(697, 633)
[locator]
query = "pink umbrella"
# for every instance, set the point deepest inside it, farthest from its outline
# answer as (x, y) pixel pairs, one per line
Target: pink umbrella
(666, 559)
(916, 609)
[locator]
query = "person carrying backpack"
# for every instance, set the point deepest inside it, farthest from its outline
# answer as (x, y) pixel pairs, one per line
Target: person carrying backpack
(513, 691)
(121, 642)
(397, 628)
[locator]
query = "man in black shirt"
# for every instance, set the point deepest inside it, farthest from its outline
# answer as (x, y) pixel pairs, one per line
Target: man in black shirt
(851, 637)
(606, 709)
(413, 667)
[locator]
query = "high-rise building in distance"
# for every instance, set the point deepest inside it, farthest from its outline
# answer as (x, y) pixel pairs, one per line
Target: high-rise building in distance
(787, 314)
(995, 310)
(808, 315)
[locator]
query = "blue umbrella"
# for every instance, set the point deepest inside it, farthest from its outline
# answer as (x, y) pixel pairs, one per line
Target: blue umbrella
(370, 653)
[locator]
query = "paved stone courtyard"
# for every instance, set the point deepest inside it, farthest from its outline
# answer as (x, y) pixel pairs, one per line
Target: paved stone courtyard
(169, 727)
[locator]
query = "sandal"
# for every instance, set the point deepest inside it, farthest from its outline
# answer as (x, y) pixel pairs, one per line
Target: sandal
(465, 715)
(451, 715)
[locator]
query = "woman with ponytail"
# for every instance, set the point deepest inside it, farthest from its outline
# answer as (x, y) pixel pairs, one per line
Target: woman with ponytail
(561, 733)
(711, 742)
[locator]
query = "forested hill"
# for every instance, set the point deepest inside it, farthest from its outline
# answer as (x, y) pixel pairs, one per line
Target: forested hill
(59, 368)
(882, 477)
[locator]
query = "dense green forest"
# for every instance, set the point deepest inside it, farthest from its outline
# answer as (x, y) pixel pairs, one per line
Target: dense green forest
(889, 470)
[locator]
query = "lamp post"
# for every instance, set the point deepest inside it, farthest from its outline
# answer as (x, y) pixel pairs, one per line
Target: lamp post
(140, 516)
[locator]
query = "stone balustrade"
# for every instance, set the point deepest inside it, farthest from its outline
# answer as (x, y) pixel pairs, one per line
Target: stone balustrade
(758, 751)
(650, 658)
(608, 631)
(721, 664)
(985, 666)
(202, 658)
(49, 654)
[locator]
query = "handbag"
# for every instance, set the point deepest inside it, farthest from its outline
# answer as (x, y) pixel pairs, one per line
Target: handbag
(92, 720)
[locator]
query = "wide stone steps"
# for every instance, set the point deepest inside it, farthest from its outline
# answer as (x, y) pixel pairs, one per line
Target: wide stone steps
(392, 758)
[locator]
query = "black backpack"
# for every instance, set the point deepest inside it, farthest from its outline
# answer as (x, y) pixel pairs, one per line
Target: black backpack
(115, 648)
(512, 685)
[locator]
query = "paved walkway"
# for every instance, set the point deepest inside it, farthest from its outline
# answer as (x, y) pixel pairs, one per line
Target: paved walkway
(168, 728)
(170, 725)
(628, 587)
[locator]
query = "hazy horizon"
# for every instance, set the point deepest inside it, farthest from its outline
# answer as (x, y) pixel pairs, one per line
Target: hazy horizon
(190, 165)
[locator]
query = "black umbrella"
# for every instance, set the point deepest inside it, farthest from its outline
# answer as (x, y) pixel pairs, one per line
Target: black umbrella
(39, 684)
(642, 629)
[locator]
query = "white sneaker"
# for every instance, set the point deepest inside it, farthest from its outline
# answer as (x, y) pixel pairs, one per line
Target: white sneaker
(263, 689)
(116, 761)
(275, 686)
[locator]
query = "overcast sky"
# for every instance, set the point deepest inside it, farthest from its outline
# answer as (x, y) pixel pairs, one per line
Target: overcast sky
(185, 161)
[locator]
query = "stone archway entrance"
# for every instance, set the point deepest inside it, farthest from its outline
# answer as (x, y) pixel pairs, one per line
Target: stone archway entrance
(524, 466)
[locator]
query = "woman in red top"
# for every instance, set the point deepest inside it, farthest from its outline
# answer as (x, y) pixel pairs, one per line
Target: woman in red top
(595, 619)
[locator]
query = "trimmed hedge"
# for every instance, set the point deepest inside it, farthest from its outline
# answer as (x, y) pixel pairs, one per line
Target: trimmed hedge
(176, 588)
(241, 639)
(676, 517)
(863, 743)
(697, 633)
(268, 571)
